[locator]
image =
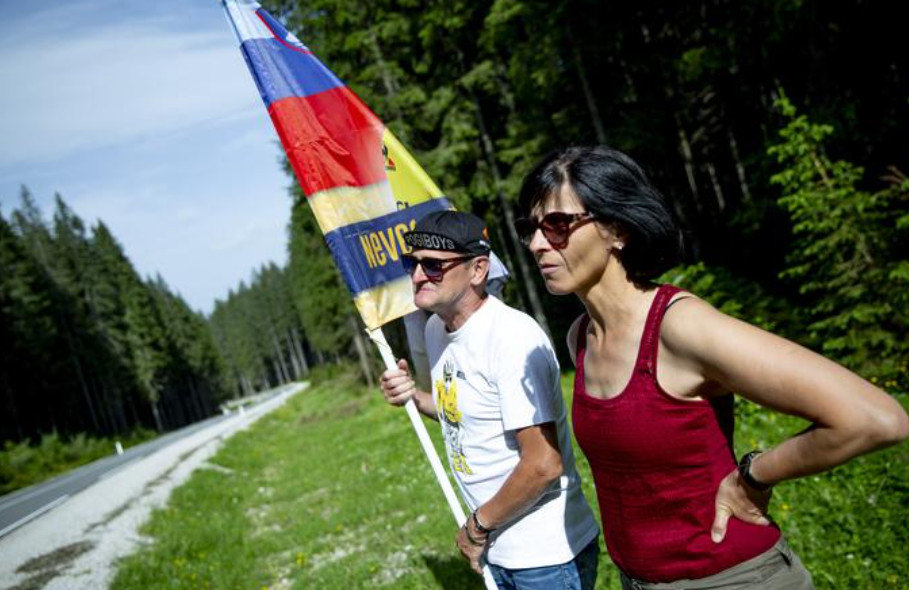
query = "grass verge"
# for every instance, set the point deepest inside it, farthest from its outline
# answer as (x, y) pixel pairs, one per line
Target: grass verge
(332, 491)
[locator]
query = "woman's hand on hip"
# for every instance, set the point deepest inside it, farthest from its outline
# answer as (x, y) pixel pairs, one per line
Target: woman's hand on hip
(735, 498)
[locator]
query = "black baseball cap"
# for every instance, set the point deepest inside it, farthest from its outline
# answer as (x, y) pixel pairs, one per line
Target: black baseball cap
(452, 231)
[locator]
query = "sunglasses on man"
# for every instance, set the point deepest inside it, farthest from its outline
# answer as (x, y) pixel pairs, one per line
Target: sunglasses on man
(556, 227)
(433, 268)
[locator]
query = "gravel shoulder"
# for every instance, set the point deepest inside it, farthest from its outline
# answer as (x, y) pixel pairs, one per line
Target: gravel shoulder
(77, 543)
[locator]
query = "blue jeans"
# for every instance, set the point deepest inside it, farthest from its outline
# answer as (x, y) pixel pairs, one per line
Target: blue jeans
(578, 574)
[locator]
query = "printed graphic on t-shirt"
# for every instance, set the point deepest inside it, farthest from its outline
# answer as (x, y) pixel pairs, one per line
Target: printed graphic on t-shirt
(450, 417)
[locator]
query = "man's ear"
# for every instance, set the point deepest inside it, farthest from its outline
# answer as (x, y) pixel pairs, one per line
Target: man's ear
(480, 270)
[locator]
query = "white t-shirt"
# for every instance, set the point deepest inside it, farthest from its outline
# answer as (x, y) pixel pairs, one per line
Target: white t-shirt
(496, 374)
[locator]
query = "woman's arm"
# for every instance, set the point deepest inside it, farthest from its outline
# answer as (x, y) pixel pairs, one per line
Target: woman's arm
(849, 415)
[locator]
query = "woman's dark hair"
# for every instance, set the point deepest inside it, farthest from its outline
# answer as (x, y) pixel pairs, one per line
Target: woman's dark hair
(612, 187)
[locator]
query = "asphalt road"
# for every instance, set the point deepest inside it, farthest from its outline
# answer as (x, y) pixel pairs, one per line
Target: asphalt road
(23, 506)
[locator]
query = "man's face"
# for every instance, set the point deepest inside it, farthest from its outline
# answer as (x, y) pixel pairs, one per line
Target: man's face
(449, 283)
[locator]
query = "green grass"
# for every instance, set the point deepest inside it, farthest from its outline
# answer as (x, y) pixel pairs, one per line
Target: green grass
(332, 491)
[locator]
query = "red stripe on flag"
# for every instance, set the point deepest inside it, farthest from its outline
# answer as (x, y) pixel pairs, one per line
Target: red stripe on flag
(331, 138)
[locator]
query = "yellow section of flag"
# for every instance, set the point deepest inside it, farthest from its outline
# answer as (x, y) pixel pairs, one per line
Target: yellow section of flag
(409, 182)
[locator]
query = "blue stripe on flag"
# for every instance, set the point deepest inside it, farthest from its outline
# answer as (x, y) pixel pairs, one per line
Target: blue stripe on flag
(368, 253)
(281, 71)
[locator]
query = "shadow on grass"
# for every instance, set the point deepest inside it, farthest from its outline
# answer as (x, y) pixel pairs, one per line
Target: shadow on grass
(452, 573)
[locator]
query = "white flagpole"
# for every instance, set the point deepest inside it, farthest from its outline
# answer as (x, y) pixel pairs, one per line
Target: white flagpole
(378, 337)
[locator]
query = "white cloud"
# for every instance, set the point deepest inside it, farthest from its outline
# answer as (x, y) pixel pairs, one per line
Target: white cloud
(154, 127)
(114, 83)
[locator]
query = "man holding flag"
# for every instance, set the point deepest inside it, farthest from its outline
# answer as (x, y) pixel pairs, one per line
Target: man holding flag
(366, 191)
(497, 396)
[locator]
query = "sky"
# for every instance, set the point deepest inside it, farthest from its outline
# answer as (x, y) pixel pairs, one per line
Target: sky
(143, 115)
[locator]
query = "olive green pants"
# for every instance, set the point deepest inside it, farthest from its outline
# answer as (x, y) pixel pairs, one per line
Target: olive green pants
(778, 568)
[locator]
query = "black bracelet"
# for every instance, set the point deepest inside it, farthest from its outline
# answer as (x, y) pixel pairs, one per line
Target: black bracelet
(745, 472)
(470, 537)
(476, 523)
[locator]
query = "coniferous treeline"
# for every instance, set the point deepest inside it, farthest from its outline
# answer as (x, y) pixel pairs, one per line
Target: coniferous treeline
(260, 335)
(289, 319)
(480, 90)
(88, 345)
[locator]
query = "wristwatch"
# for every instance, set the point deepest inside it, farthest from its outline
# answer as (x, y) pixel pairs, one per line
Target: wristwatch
(745, 472)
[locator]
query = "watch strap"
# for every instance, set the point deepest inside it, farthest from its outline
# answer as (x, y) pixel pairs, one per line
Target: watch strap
(745, 472)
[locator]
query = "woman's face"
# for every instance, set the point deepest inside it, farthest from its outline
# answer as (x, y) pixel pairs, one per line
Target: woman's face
(580, 263)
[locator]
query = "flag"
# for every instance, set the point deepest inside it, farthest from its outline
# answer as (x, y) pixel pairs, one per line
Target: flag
(364, 188)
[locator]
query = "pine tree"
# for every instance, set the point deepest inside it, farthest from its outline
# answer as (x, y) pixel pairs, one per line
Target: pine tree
(849, 258)
(195, 368)
(28, 331)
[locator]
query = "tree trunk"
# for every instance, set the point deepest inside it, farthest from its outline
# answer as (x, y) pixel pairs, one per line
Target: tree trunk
(298, 348)
(489, 149)
(294, 362)
(362, 353)
(107, 406)
(120, 415)
(134, 420)
(739, 167)
(717, 188)
(632, 96)
(197, 405)
(156, 412)
(502, 82)
(283, 373)
(391, 85)
(276, 368)
(83, 384)
(589, 97)
(509, 262)
(688, 161)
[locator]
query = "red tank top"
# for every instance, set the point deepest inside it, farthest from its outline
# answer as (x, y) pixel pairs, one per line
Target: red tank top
(657, 462)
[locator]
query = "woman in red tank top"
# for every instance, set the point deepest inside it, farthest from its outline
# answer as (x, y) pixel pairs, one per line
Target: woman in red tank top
(653, 409)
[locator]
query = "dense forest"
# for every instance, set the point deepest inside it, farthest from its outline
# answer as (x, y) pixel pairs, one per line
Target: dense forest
(88, 345)
(778, 130)
(259, 333)
(91, 347)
